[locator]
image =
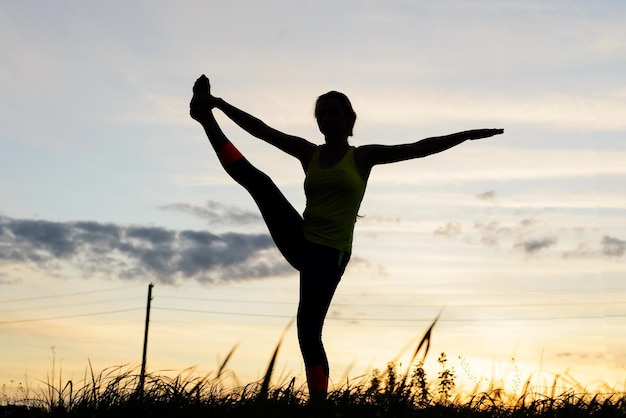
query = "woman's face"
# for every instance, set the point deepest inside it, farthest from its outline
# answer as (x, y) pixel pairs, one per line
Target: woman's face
(332, 119)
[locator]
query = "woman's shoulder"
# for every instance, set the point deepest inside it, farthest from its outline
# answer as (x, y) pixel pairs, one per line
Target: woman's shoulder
(362, 158)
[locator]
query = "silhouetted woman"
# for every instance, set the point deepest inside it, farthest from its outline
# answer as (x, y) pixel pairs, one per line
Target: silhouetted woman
(318, 243)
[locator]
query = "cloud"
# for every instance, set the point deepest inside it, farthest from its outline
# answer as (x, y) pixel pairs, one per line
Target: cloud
(216, 213)
(138, 252)
(582, 250)
(532, 246)
(581, 356)
(448, 230)
(493, 233)
(613, 247)
(530, 235)
(6, 280)
(608, 247)
(489, 195)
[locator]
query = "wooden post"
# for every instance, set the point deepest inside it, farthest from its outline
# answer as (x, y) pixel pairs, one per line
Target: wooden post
(142, 376)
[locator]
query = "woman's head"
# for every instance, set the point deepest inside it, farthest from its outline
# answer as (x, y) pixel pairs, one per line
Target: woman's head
(333, 108)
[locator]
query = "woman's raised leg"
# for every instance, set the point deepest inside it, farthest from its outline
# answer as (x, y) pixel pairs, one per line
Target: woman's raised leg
(282, 220)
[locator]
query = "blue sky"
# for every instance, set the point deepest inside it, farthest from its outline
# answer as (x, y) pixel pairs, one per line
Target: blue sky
(107, 185)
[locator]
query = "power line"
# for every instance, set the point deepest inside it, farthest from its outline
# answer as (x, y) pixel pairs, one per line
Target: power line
(62, 295)
(396, 319)
(335, 304)
(260, 315)
(70, 305)
(223, 313)
(515, 292)
(69, 316)
(339, 304)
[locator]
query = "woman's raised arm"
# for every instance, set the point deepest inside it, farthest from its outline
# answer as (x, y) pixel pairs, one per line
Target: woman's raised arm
(292, 145)
(370, 155)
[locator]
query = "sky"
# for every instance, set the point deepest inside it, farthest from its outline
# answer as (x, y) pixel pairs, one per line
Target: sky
(107, 185)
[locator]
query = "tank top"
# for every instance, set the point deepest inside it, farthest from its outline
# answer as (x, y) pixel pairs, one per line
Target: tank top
(333, 197)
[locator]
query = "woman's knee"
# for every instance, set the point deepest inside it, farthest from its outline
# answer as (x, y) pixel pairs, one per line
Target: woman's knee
(309, 327)
(310, 345)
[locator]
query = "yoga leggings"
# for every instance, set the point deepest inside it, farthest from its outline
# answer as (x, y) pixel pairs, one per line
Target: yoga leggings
(320, 267)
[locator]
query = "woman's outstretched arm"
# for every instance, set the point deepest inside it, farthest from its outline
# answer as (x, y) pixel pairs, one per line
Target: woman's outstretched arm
(292, 145)
(371, 155)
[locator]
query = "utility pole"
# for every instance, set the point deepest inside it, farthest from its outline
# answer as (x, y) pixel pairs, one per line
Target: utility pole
(142, 376)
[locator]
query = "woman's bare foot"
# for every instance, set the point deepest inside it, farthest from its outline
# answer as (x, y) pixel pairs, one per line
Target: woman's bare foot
(202, 86)
(202, 102)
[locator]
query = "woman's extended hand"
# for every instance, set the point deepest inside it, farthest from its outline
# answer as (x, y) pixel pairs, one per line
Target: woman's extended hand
(484, 133)
(202, 101)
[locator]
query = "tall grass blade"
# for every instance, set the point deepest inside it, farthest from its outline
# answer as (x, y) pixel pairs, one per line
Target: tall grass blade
(265, 385)
(223, 365)
(425, 340)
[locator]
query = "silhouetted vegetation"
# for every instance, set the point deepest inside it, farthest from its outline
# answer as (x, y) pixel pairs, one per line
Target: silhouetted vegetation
(117, 392)
(390, 393)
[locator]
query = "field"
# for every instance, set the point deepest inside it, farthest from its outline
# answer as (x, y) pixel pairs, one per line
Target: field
(116, 393)
(125, 392)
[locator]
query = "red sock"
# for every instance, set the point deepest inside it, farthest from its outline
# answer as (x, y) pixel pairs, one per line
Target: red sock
(317, 379)
(228, 154)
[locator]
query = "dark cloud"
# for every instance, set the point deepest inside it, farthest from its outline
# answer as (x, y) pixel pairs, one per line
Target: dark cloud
(137, 252)
(155, 236)
(39, 237)
(532, 246)
(216, 213)
(490, 195)
(613, 247)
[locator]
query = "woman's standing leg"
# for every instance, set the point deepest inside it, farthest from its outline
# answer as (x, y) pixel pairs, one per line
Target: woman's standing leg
(321, 271)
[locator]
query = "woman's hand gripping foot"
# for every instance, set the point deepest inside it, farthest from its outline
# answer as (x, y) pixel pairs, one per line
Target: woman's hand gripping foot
(202, 102)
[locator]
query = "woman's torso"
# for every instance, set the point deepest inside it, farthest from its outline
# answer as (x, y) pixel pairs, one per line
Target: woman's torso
(334, 191)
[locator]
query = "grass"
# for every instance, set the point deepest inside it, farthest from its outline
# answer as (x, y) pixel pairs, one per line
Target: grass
(388, 393)
(121, 392)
